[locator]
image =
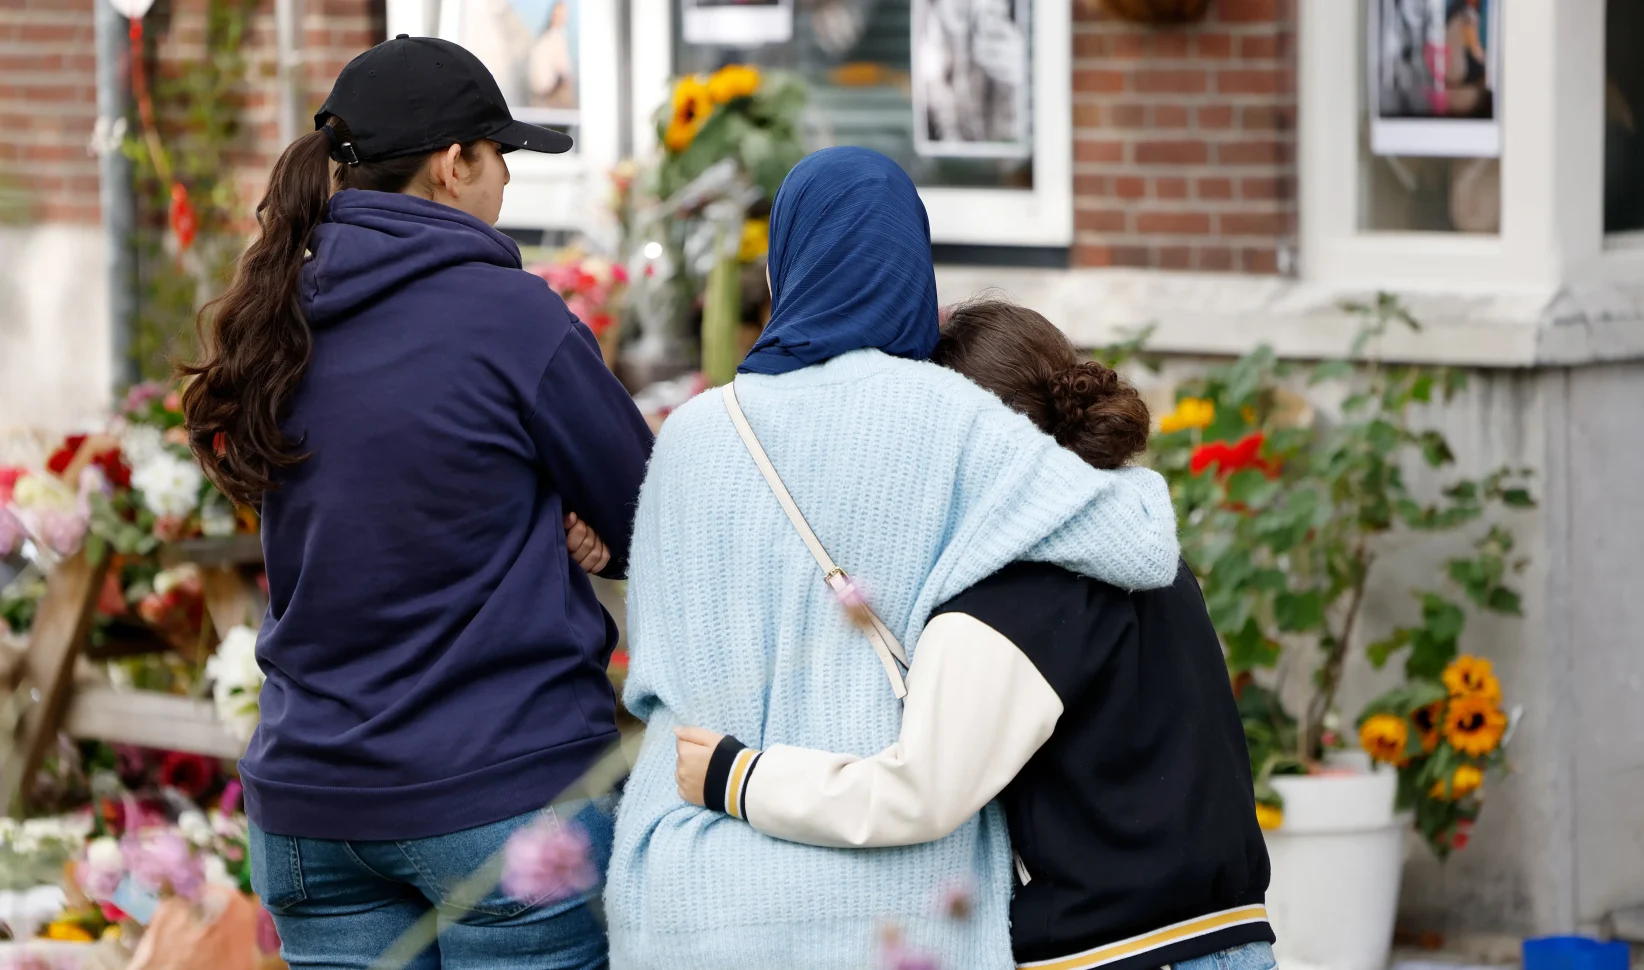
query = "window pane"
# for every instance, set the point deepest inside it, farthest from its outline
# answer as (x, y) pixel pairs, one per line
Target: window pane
(1623, 112)
(857, 56)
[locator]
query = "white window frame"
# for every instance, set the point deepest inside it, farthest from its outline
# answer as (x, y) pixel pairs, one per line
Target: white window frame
(554, 192)
(1551, 169)
(995, 217)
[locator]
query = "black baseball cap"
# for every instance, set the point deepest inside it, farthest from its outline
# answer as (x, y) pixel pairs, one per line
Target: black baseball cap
(412, 95)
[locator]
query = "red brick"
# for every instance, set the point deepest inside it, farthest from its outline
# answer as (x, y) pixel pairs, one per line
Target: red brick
(1216, 116)
(1128, 256)
(1090, 185)
(1170, 187)
(1173, 223)
(1252, 223)
(52, 33)
(1248, 11)
(1087, 115)
(1214, 45)
(1264, 260)
(1215, 188)
(1170, 81)
(1089, 150)
(1171, 44)
(1268, 117)
(1214, 258)
(1260, 81)
(1167, 116)
(1092, 254)
(1091, 45)
(1172, 152)
(1264, 189)
(54, 153)
(1255, 46)
(1103, 81)
(1253, 153)
(1127, 115)
(1099, 220)
(1175, 257)
(1128, 45)
(1129, 186)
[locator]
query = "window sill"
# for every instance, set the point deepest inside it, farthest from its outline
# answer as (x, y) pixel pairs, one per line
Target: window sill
(1216, 314)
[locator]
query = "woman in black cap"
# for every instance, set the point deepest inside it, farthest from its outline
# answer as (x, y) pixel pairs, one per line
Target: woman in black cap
(419, 420)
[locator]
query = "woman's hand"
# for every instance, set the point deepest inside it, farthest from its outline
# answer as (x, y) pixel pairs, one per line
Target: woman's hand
(586, 548)
(695, 748)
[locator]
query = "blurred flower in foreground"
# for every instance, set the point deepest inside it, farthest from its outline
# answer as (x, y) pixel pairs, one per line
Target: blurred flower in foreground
(165, 860)
(547, 861)
(1269, 817)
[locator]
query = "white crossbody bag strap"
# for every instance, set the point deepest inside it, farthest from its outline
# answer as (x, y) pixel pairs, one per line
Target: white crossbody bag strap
(891, 655)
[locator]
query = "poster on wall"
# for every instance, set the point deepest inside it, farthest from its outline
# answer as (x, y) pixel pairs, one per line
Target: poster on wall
(971, 78)
(736, 23)
(530, 46)
(1435, 78)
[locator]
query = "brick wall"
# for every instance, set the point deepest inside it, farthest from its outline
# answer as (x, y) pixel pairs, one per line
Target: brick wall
(1184, 139)
(48, 107)
(48, 94)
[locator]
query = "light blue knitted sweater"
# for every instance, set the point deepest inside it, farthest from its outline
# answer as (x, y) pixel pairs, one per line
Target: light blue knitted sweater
(919, 484)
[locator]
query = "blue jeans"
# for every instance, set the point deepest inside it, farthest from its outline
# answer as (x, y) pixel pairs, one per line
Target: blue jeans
(1251, 956)
(340, 905)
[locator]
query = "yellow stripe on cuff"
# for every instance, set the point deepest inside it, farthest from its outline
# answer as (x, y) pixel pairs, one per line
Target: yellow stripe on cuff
(1175, 933)
(733, 787)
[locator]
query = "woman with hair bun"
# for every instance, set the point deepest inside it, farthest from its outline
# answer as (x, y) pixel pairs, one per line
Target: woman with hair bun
(1102, 719)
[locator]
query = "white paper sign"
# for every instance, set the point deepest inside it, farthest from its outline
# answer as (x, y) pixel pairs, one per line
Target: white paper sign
(132, 9)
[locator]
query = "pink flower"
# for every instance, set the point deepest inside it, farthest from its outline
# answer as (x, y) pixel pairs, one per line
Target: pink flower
(547, 861)
(97, 882)
(230, 800)
(11, 533)
(139, 395)
(580, 306)
(165, 859)
(619, 272)
(62, 531)
(268, 936)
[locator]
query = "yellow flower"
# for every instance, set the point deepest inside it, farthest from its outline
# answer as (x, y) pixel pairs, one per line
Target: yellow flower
(692, 106)
(1383, 737)
(756, 239)
(1191, 412)
(1472, 676)
(733, 81)
(1465, 780)
(1269, 817)
(1474, 725)
(1427, 721)
(1248, 413)
(68, 931)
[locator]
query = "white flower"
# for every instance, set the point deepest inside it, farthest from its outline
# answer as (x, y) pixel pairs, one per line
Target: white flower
(236, 679)
(169, 579)
(141, 444)
(216, 872)
(194, 827)
(170, 485)
(104, 854)
(43, 493)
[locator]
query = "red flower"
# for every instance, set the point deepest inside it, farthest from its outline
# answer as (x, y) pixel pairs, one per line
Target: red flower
(619, 273)
(63, 457)
(114, 467)
(619, 659)
(1229, 458)
(600, 323)
(190, 774)
(8, 482)
(112, 600)
(181, 216)
(113, 913)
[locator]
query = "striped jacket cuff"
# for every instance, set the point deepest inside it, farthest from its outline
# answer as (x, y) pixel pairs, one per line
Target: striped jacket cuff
(726, 787)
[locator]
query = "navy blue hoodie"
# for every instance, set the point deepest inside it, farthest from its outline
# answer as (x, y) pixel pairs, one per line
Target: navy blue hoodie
(435, 659)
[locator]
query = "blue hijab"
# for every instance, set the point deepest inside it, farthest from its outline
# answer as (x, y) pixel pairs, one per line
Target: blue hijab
(850, 264)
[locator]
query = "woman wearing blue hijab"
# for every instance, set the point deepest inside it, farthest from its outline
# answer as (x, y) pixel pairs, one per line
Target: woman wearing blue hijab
(917, 482)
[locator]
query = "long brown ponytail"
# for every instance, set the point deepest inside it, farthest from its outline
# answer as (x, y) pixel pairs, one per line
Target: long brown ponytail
(254, 339)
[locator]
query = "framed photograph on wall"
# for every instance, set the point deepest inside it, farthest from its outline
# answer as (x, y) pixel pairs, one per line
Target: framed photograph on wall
(531, 48)
(1435, 73)
(736, 23)
(972, 78)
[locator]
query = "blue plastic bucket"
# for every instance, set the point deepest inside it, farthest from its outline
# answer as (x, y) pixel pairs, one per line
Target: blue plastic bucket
(1575, 953)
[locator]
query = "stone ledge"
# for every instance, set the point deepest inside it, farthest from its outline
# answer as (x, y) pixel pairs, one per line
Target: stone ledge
(1227, 314)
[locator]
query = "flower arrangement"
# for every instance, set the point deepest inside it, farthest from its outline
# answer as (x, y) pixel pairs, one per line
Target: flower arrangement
(236, 681)
(1282, 520)
(736, 112)
(592, 289)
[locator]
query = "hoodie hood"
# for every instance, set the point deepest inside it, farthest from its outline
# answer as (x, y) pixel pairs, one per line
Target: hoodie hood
(371, 243)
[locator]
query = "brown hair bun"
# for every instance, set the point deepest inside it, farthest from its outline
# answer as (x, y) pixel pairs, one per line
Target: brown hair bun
(1021, 357)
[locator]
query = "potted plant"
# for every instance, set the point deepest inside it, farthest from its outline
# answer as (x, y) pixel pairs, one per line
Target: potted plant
(1283, 517)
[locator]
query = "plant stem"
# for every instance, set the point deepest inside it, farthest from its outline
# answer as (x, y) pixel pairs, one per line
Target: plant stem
(1312, 738)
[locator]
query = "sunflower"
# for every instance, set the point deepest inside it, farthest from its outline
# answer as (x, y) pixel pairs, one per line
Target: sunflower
(756, 240)
(1383, 737)
(1462, 782)
(733, 81)
(1469, 676)
(1428, 721)
(692, 106)
(1269, 817)
(1474, 725)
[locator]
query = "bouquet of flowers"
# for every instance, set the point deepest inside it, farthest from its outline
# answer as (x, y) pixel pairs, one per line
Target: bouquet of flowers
(592, 289)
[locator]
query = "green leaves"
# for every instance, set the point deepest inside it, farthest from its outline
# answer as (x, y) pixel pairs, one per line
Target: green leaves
(1298, 612)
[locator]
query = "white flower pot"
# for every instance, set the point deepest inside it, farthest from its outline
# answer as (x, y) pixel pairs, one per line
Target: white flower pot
(1336, 865)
